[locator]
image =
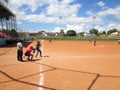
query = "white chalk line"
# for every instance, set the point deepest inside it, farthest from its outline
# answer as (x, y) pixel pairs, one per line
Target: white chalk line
(96, 46)
(86, 56)
(41, 81)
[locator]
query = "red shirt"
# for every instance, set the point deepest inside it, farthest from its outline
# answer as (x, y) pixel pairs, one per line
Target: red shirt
(29, 50)
(94, 40)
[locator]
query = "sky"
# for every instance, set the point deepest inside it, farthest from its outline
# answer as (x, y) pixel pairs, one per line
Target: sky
(78, 15)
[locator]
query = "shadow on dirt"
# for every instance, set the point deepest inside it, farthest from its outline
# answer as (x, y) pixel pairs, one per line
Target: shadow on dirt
(31, 61)
(13, 44)
(25, 82)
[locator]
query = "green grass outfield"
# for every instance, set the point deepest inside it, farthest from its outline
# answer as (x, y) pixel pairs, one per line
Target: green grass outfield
(78, 38)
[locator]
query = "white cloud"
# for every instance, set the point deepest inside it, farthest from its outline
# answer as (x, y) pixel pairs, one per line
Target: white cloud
(56, 29)
(110, 11)
(89, 12)
(65, 9)
(108, 26)
(78, 28)
(53, 10)
(113, 26)
(101, 4)
(32, 4)
(62, 9)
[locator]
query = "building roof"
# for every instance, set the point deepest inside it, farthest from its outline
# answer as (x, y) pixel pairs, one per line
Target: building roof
(114, 33)
(4, 11)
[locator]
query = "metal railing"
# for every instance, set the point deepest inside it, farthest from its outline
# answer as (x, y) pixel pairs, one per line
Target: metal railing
(5, 2)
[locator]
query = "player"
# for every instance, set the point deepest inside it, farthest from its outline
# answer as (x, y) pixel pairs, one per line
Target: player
(50, 40)
(94, 41)
(38, 45)
(29, 53)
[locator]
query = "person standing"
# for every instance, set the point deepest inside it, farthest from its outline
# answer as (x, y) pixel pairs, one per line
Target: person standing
(94, 41)
(19, 51)
(50, 40)
(38, 45)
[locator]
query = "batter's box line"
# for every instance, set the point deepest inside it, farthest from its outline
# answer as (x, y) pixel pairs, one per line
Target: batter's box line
(24, 82)
(78, 71)
(8, 65)
(46, 65)
(93, 82)
(99, 76)
(14, 79)
(89, 73)
(110, 76)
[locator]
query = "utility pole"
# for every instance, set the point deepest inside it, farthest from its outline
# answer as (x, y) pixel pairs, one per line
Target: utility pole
(94, 17)
(60, 17)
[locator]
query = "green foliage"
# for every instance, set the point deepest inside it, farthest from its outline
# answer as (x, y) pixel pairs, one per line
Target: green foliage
(71, 33)
(14, 34)
(94, 31)
(112, 31)
(103, 32)
(61, 32)
(82, 34)
(86, 38)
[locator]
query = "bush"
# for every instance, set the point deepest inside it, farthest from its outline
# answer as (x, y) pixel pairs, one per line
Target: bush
(87, 38)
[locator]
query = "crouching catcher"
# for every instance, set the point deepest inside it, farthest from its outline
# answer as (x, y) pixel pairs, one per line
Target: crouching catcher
(29, 53)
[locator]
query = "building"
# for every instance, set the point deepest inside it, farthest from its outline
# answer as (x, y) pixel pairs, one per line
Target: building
(7, 18)
(116, 33)
(7, 22)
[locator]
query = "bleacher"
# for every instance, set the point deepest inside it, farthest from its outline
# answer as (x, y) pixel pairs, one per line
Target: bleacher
(4, 35)
(5, 29)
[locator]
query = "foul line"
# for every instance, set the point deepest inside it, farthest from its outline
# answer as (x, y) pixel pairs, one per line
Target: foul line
(41, 81)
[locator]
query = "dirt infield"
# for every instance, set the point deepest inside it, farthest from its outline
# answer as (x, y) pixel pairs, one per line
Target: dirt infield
(65, 65)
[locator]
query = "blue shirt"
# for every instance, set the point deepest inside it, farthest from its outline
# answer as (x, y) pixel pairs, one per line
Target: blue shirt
(38, 45)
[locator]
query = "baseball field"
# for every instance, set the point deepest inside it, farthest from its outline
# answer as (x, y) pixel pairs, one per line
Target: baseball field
(65, 65)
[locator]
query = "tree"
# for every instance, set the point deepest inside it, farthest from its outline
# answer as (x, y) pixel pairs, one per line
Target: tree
(71, 33)
(14, 34)
(112, 31)
(94, 31)
(61, 32)
(82, 34)
(103, 33)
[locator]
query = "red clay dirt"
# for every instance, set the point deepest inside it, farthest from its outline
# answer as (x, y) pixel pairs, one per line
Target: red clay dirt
(65, 65)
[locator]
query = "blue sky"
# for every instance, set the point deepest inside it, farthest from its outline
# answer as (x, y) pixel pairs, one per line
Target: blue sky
(79, 15)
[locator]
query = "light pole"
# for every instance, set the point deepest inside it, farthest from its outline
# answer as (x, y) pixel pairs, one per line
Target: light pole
(91, 34)
(94, 17)
(60, 17)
